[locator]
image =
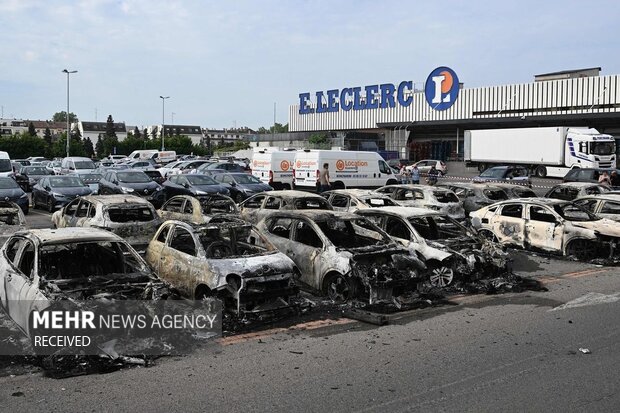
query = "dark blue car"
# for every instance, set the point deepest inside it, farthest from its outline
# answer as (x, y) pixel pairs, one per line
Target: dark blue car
(11, 191)
(131, 181)
(241, 185)
(56, 191)
(192, 184)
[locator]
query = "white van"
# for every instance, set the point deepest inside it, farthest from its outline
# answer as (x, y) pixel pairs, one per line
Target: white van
(274, 166)
(158, 156)
(347, 169)
(6, 168)
(74, 164)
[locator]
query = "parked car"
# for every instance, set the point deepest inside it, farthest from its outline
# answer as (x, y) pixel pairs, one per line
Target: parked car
(11, 191)
(475, 196)
(41, 266)
(350, 200)
(425, 165)
(258, 206)
(585, 174)
(12, 219)
(448, 248)
(31, 175)
(227, 166)
(164, 170)
(53, 167)
(142, 164)
(572, 190)
(550, 225)
(517, 175)
(56, 191)
(399, 163)
(606, 205)
(132, 218)
(241, 185)
(231, 261)
(192, 185)
(516, 191)
(131, 182)
(74, 164)
(421, 196)
(155, 175)
(342, 255)
(197, 209)
(91, 179)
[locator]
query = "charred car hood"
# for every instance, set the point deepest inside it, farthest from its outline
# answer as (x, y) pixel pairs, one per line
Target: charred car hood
(263, 265)
(602, 226)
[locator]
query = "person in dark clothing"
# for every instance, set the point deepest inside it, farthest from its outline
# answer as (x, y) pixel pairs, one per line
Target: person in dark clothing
(614, 178)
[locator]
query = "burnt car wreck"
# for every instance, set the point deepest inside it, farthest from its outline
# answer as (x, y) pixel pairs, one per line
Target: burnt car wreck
(228, 260)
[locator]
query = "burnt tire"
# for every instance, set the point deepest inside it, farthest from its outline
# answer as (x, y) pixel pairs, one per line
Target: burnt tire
(441, 275)
(338, 288)
(488, 235)
(582, 250)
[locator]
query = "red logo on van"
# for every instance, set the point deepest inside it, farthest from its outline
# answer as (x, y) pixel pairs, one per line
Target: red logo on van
(340, 165)
(284, 165)
(298, 164)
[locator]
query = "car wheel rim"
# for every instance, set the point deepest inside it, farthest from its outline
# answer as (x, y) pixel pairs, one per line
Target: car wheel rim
(441, 276)
(338, 289)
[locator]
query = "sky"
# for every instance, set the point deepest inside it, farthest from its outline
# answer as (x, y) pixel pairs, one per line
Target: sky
(226, 63)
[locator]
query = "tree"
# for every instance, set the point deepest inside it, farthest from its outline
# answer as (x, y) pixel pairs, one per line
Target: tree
(146, 133)
(47, 136)
(319, 141)
(62, 117)
(99, 147)
(89, 151)
(276, 128)
(31, 130)
(136, 133)
(110, 131)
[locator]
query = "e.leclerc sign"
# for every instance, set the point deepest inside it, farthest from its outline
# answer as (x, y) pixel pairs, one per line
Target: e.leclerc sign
(441, 91)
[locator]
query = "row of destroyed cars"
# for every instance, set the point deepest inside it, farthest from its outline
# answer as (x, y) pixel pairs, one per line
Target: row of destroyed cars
(376, 246)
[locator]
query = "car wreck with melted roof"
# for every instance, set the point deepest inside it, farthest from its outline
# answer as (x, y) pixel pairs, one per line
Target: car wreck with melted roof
(343, 255)
(197, 209)
(549, 225)
(40, 266)
(450, 250)
(12, 219)
(228, 260)
(350, 200)
(437, 199)
(259, 206)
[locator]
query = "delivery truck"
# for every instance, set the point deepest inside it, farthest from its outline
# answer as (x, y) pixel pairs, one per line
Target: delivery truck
(274, 166)
(546, 151)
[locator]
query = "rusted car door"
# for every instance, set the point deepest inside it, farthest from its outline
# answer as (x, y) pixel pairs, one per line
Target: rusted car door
(508, 224)
(543, 229)
(179, 262)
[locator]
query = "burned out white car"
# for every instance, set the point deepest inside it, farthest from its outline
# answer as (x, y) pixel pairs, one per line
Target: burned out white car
(197, 209)
(604, 205)
(40, 266)
(475, 196)
(259, 206)
(550, 225)
(350, 200)
(448, 249)
(343, 255)
(229, 260)
(12, 219)
(437, 199)
(131, 217)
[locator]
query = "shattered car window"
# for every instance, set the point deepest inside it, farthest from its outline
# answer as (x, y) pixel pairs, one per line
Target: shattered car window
(352, 233)
(88, 259)
(129, 214)
(495, 194)
(521, 192)
(9, 216)
(438, 227)
(311, 203)
(380, 202)
(573, 212)
(232, 239)
(611, 208)
(217, 206)
(281, 227)
(305, 234)
(445, 197)
(589, 204)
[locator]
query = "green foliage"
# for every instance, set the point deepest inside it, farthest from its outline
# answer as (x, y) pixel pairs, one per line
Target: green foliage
(62, 117)
(31, 130)
(99, 147)
(22, 145)
(319, 141)
(277, 128)
(47, 136)
(89, 151)
(110, 132)
(232, 146)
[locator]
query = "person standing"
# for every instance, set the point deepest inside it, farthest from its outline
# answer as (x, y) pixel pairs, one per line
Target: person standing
(604, 179)
(403, 175)
(324, 178)
(432, 176)
(614, 178)
(415, 175)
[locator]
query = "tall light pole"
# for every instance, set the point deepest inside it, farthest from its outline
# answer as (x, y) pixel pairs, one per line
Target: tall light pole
(163, 113)
(68, 72)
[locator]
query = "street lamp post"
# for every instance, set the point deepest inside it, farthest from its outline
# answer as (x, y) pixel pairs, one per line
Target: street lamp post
(68, 72)
(163, 112)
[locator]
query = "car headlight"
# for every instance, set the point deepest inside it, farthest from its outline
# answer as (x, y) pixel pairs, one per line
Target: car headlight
(126, 190)
(57, 195)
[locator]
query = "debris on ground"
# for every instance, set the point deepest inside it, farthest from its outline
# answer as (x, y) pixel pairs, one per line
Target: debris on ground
(585, 350)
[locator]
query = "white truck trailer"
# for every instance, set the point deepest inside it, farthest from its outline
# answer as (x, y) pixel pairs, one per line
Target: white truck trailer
(547, 151)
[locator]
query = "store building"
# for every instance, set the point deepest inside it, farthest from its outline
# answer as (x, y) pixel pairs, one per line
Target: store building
(429, 122)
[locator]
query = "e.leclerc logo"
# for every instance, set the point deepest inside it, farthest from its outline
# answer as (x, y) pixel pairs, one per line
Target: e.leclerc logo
(441, 88)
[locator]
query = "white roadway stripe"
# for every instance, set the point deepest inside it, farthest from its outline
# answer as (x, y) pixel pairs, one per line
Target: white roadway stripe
(589, 299)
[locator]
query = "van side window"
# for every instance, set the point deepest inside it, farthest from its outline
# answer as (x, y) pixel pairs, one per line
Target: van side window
(384, 168)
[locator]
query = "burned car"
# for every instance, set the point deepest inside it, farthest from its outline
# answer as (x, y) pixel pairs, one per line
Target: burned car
(229, 260)
(197, 209)
(40, 266)
(131, 217)
(475, 196)
(12, 219)
(350, 200)
(343, 255)
(437, 199)
(515, 191)
(570, 191)
(604, 205)
(259, 206)
(447, 248)
(549, 225)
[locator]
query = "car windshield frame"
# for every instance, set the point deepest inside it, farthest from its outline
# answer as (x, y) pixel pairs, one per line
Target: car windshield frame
(200, 180)
(245, 179)
(123, 175)
(65, 180)
(84, 164)
(559, 209)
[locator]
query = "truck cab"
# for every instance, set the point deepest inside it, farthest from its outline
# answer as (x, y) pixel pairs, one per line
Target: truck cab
(587, 148)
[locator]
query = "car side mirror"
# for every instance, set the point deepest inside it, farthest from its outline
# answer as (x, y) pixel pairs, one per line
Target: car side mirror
(186, 185)
(115, 182)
